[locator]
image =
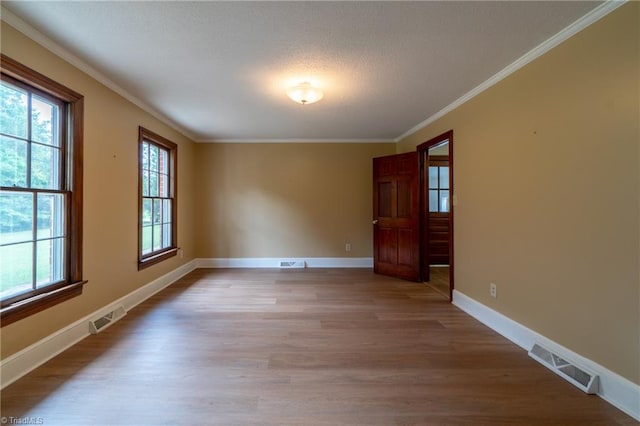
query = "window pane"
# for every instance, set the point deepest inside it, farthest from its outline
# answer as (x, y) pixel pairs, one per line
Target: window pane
(145, 156)
(146, 239)
(16, 211)
(433, 200)
(444, 201)
(43, 122)
(153, 158)
(13, 162)
(166, 235)
(45, 167)
(163, 165)
(157, 237)
(444, 177)
(157, 211)
(153, 184)
(166, 220)
(146, 212)
(164, 186)
(50, 219)
(13, 111)
(433, 177)
(49, 261)
(145, 183)
(166, 211)
(16, 268)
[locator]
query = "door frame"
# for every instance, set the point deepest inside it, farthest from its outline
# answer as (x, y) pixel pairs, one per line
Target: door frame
(423, 150)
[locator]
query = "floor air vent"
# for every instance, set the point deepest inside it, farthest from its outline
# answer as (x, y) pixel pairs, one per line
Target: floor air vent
(99, 324)
(293, 264)
(583, 379)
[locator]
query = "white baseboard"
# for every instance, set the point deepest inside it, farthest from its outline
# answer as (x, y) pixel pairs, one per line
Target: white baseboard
(615, 389)
(31, 357)
(273, 262)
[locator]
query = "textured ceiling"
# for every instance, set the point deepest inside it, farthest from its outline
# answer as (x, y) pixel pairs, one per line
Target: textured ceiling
(219, 70)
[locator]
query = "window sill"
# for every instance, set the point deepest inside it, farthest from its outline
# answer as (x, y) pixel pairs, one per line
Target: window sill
(27, 307)
(152, 260)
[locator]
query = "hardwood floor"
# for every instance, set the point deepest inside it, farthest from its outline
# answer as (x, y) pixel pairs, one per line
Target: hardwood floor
(299, 347)
(439, 279)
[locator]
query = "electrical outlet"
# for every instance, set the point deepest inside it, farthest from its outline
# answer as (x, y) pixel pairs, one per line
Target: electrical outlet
(181, 253)
(493, 290)
(347, 247)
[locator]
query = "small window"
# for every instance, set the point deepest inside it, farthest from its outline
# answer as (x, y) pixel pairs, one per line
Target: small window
(40, 192)
(438, 184)
(157, 200)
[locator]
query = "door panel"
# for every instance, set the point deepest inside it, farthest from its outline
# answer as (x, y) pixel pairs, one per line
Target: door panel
(404, 197)
(387, 241)
(438, 238)
(396, 236)
(405, 246)
(384, 200)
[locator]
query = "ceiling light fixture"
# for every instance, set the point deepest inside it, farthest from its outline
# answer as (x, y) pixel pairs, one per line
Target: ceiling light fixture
(304, 93)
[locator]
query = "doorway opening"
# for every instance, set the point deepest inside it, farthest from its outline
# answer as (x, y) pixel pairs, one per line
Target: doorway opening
(436, 213)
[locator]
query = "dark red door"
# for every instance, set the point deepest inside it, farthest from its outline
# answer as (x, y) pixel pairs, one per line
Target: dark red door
(396, 224)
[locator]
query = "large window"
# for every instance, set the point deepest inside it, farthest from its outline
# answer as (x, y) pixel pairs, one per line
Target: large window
(157, 200)
(40, 192)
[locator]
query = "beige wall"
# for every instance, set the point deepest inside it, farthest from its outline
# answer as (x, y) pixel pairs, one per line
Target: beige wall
(547, 180)
(110, 196)
(285, 200)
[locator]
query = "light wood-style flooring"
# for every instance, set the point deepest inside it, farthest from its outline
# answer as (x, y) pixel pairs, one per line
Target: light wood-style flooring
(299, 347)
(439, 279)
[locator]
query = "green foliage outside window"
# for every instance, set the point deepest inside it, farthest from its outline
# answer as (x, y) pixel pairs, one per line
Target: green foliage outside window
(16, 212)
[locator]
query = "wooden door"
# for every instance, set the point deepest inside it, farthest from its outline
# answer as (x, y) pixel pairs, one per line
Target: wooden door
(396, 221)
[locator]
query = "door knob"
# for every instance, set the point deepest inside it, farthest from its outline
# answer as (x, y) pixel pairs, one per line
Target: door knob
(375, 221)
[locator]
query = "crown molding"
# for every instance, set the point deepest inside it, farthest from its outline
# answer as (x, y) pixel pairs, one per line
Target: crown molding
(25, 28)
(582, 23)
(294, 140)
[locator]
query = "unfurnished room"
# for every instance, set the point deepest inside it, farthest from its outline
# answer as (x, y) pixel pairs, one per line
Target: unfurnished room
(320, 213)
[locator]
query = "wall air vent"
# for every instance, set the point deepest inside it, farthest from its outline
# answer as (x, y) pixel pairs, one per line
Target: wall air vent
(579, 376)
(100, 323)
(293, 264)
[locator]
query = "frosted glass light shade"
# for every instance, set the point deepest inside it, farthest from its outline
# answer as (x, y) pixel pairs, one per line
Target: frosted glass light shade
(304, 93)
